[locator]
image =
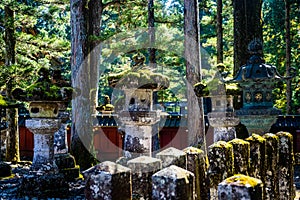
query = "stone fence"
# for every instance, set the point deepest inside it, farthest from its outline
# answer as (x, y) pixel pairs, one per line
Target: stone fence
(260, 167)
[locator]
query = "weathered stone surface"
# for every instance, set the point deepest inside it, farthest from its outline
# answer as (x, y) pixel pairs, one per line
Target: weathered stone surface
(257, 167)
(142, 169)
(173, 183)
(297, 170)
(44, 185)
(241, 151)
(285, 166)
(224, 134)
(5, 169)
(109, 181)
(272, 158)
(67, 166)
(60, 140)
(172, 156)
(240, 187)
(197, 163)
(43, 130)
(221, 162)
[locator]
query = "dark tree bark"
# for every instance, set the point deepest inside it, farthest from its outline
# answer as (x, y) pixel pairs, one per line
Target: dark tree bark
(152, 50)
(219, 32)
(196, 131)
(12, 144)
(247, 26)
(82, 146)
(288, 56)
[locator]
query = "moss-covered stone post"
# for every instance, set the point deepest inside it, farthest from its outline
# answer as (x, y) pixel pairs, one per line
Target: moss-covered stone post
(197, 163)
(220, 156)
(241, 152)
(108, 180)
(142, 169)
(240, 187)
(172, 156)
(297, 170)
(272, 157)
(257, 167)
(173, 183)
(285, 166)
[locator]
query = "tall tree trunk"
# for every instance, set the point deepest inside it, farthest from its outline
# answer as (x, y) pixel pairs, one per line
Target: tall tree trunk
(84, 65)
(247, 26)
(288, 56)
(152, 50)
(196, 129)
(12, 146)
(219, 32)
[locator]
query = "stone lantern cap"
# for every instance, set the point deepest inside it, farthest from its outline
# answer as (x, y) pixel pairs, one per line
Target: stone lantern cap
(48, 87)
(141, 79)
(256, 69)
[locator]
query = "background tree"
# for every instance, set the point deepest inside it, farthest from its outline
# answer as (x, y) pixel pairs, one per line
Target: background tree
(12, 142)
(247, 26)
(219, 32)
(196, 132)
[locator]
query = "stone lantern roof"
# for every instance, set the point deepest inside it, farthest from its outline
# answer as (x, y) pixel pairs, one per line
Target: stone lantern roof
(256, 70)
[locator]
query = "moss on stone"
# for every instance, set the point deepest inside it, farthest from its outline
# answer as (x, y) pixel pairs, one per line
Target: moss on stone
(256, 138)
(241, 151)
(243, 180)
(2, 101)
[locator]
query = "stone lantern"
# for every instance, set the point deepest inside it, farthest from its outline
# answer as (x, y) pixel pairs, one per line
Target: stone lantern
(257, 80)
(222, 117)
(137, 116)
(45, 98)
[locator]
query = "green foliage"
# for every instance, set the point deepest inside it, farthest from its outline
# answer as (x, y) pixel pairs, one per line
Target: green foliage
(42, 33)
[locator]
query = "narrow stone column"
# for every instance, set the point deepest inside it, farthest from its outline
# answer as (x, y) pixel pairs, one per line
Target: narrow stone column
(173, 183)
(220, 156)
(172, 156)
(240, 187)
(271, 179)
(108, 181)
(241, 152)
(197, 163)
(60, 140)
(285, 167)
(142, 169)
(257, 167)
(43, 130)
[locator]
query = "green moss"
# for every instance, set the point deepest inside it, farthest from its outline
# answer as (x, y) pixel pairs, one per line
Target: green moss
(2, 101)
(238, 141)
(256, 138)
(285, 134)
(243, 180)
(221, 144)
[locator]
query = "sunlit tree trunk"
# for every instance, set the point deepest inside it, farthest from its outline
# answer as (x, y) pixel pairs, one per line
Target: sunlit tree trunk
(219, 32)
(288, 56)
(82, 66)
(12, 144)
(247, 26)
(196, 129)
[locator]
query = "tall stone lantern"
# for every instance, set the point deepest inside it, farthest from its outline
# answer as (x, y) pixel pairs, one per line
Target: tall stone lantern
(45, 98)
(222, 117)
(257, 80)
(136, 115)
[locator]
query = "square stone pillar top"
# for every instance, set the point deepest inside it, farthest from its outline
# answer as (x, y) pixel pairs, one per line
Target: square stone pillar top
(144, 164)
(107, 167)
(173, 172)
(171, 151)
(193, 150)
(242, 180)
(43, 125)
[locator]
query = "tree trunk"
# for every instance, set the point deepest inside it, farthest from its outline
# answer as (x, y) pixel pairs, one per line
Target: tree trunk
(196, 131)
(219, 32)
(84, 66)
(247, 26)
(12, 146)
(152, 50)
(288, 57)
